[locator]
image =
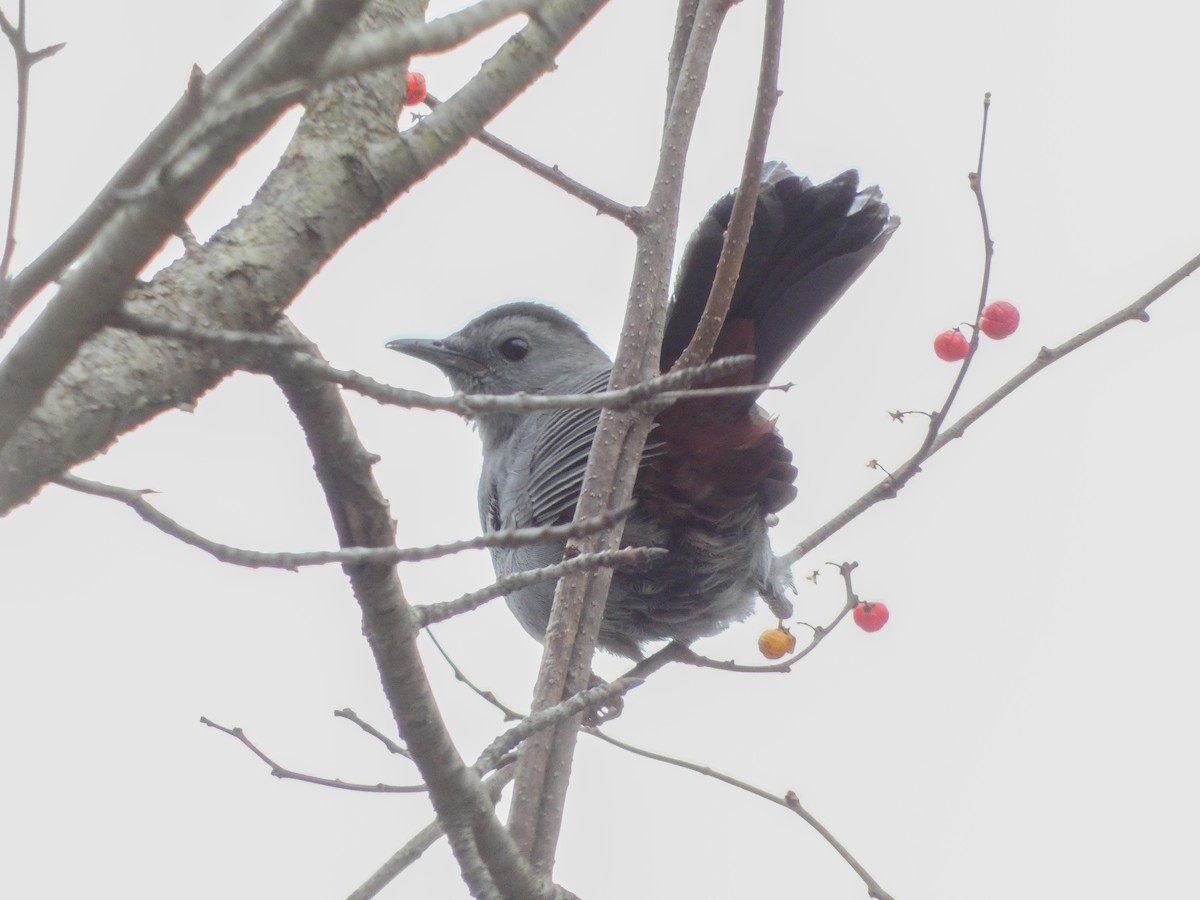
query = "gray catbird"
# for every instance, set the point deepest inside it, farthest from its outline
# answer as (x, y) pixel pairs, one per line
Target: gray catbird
(713, 469)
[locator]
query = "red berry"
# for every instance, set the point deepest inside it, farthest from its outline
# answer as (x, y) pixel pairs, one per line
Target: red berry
(1000, 319)
(415, 92)
(950, 345)
(870, 615)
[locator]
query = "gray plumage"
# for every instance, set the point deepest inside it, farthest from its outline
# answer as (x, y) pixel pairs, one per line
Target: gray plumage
(712, 470)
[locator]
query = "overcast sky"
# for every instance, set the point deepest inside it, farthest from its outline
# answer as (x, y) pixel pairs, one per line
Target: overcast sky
(1023, 727)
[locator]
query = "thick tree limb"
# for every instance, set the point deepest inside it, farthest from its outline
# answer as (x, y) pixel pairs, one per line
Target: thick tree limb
(136, 230)
(344, 166)
(54, 260)
(487, 856)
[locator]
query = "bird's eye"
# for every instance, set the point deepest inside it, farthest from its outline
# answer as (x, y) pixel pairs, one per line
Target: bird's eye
(514, 349)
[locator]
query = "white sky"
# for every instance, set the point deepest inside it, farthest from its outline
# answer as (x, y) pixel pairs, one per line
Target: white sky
(1024, 726)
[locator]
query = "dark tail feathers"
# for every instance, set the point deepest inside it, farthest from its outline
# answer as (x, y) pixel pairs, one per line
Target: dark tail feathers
(807, 246)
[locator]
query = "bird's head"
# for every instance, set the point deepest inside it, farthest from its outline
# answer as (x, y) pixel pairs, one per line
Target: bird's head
(520, 347)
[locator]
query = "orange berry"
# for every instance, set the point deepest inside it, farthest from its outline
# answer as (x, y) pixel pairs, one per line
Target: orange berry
(776, 643)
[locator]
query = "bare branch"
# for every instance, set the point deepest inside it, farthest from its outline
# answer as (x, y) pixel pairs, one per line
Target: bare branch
(345, 162)
(392, 746)
(432, 613)
(237, 341)
(487, 856)
(382, 48)
(788, 800)
(424, 839)
(937, 437)
(573, 706)
(25, 60)
(280, 772)
(471, 404)
(55, 260)
(1134, 312)
(628, 215)
(545, 763)
(122, 246)
(685, 21)
(393, 45)
(679, 653)
(256, 559)
(976, 182)
(509, 713)
(635, 677)
(741, 217)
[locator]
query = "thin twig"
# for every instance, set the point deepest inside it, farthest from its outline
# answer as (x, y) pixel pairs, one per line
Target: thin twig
(789, 801)
(605, 206)
(257, 559)
(741, 217)
(393, 45)
(494, 785)
(976, 182)
(675, 652)
(644, 392)
(638, 674)
(25, 60)
(585, 562)
(132, 235)
(510, 714)
(658, 390)
(937, 438)
(351, 716)
(280, 772)
(532, 724)
(53, 261)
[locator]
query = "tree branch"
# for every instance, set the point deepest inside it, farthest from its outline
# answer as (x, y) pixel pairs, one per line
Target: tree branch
(487, 856)
(628, 215)
(788, 801)
(25, 59)
(432, 613)
(390, 46)
(135, 232)
(392, 747)
(280, 772)
(745, 201)
(346, 163)
(255, 559)
(52, 262)
(545, 761)
(424, 839)
(936, 436)
(532, 724)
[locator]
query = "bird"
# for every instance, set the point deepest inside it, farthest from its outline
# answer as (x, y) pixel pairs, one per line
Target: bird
(715, 470)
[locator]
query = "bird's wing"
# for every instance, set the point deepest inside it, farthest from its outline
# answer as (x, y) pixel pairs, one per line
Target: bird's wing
(559, 456)
(560, 451)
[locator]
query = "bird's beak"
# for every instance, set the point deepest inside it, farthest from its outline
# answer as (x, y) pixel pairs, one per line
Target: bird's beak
(442, 353)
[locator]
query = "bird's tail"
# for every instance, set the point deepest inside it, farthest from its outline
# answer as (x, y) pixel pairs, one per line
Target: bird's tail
(808, 244)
